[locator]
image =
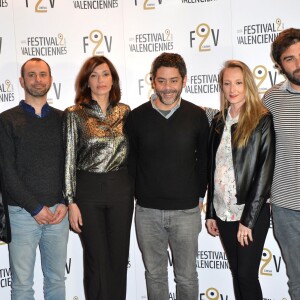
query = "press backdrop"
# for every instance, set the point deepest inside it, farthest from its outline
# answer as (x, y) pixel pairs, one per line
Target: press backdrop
(132, 33)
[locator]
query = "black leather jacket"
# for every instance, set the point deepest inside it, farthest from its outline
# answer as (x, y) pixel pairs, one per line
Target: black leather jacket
(253, 168)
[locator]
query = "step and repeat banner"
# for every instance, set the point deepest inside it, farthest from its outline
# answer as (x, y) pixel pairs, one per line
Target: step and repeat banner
(131, 33)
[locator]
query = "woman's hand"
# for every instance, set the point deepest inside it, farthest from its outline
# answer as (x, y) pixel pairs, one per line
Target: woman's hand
(75, 217)
(244, 235)
(212, 227)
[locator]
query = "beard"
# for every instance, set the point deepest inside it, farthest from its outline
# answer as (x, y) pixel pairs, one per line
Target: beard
(37, 92)
(293, 77)
(162, 93)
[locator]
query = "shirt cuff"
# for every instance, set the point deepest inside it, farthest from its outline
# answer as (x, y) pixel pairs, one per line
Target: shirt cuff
(37, 210)
(63, 201)
(201, 199)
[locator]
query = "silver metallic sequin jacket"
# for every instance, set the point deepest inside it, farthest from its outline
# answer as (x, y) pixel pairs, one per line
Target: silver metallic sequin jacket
(94, 142)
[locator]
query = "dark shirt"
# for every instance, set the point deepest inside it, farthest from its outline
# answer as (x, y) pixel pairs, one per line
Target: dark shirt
(168, 157)
(44, 112)
(33, 157)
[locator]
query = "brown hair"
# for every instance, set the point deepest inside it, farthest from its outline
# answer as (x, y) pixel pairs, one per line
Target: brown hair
(283, 41)
(83, 92)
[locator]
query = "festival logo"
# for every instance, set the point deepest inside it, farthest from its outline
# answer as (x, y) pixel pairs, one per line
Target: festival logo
(263, 33)
(44, 45)
(144, 84)
(6, 91)
(3, 3)
(152, 42)
(213, 294)
(68, 265)
(212, 260)
(41, 6)
(197, 1)
(202, 84)
(97, 42)
(5, 277)
(264, 78)
(95, 5)
(57, 92)
(148, 4)
(205, 37)
(269, 263)
(264, 298)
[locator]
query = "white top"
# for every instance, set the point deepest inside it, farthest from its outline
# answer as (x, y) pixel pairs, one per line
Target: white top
(225, 202)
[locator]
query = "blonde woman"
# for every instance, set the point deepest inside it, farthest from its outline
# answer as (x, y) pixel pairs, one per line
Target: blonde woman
(241, 165)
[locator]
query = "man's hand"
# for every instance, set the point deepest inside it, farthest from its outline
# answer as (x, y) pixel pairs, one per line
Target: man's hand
(45, 216)
(59, 214)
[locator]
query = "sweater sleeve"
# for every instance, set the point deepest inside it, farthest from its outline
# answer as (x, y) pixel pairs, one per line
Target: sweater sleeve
(13, 183)
(130, 131)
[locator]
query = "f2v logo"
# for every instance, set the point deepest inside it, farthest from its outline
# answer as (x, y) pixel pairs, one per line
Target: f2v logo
(57, 90)
(261, 73)
(148, 5)
(204, 31)
(266, 259)
(39, 7)
(97, 37)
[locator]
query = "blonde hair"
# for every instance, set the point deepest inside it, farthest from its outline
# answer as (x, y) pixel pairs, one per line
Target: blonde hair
(252, 110)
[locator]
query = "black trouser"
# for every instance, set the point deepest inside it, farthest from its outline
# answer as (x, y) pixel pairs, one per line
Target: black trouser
(244, 261)
(105, 234)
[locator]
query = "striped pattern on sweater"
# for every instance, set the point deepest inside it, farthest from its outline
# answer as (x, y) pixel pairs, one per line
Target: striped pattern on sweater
(285, 108)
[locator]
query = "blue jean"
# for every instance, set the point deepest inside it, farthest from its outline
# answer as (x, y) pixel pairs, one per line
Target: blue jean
(287, 232)
(52, 240)
(180, 229)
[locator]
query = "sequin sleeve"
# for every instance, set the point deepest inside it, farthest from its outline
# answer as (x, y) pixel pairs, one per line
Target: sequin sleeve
(70, 140)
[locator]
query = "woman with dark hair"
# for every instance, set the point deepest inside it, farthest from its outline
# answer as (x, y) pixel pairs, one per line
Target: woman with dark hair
(97, 185)
(241, 166)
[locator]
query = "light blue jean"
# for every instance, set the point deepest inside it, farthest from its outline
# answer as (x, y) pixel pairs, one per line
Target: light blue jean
(180, 229)
(287, 232)
(52, 240)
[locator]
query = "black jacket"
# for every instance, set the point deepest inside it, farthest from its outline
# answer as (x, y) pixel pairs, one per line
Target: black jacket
(5, 234)
(253, 168)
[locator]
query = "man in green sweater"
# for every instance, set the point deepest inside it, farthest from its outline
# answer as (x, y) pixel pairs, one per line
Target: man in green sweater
(32, 162)
(168, 161)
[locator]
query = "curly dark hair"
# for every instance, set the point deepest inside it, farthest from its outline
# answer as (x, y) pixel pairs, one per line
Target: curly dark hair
(168, 60)
(284, 40)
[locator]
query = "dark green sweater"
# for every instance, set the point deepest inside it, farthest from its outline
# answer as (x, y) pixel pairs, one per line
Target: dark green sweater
(168, 157)
(32, 158)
